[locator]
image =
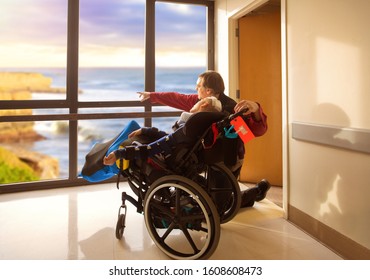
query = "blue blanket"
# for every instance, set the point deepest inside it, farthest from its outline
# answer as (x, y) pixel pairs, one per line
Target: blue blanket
(94, 170)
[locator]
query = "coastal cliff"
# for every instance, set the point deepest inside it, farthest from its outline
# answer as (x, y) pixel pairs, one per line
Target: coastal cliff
(19, 86)
(17, 164)
(32, 82)
(17, 131)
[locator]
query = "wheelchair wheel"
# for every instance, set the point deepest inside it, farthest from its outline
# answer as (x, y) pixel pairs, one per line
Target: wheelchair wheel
(121, 221)
(223, 188)
(120, 227)
(181, 218)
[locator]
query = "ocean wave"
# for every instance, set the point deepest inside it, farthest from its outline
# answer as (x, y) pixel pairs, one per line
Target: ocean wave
(86, 134)
(103, 85)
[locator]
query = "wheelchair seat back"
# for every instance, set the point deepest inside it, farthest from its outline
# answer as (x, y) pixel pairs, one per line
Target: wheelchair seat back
(215, 146)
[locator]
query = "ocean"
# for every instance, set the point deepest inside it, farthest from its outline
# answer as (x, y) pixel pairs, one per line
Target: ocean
(102, 84)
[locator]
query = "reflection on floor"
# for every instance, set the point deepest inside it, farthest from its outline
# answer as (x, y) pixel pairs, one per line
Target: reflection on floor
(79, 223)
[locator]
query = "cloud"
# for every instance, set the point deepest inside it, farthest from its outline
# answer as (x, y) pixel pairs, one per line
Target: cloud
(110, 26)
(181, 20)
(101, 56)
(31, 55)
(38, 21)
(122, 21)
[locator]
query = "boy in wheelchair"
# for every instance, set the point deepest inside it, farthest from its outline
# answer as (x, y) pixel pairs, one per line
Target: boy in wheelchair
(209, 104)
(193, 191)
(191, 149)
(210, 83)
(146, 135)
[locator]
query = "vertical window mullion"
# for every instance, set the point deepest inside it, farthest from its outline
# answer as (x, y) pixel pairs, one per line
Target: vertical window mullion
(149, 53)
(72, 83)
(210, 36)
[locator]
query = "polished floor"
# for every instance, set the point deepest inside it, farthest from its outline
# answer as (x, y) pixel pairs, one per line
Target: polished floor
(79, 224)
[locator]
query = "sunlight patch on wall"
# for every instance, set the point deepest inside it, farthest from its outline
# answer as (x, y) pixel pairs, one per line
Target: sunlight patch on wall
(331, 203)
(338, 75)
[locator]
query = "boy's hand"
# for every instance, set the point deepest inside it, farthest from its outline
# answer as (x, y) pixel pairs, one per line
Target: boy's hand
(135, 133)
(110, 159)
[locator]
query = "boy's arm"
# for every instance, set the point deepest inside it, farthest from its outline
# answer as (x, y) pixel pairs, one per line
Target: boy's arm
(153, 132)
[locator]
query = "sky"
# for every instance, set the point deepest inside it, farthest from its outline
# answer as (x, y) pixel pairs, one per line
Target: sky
(33, 33)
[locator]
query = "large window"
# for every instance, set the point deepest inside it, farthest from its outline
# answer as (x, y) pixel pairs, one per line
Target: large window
(33, 49)
(70, 70)
(33, 61)
(180, 50)
(111, 49)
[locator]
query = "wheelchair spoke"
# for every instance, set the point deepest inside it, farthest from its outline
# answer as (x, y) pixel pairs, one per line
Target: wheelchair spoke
(190, 240)
(168, 231)
(204, 229)
(178, 202)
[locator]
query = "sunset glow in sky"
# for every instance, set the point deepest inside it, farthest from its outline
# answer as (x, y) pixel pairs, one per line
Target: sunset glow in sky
(33, 33)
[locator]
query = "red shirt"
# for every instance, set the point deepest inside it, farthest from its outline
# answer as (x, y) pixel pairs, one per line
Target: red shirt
(185, 102)
(176, 100)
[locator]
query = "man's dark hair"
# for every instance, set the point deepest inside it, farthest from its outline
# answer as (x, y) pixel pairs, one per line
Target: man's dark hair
(213, 80)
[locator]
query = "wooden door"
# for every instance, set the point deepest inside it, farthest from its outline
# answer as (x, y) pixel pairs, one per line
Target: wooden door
(260, 81)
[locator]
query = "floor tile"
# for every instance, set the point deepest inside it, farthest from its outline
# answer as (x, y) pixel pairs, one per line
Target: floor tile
(79, 223)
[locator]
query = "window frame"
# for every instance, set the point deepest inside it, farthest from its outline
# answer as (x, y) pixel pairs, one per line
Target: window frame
(72, 104)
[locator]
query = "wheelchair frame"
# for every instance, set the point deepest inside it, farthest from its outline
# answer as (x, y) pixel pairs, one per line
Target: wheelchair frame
(184, 207)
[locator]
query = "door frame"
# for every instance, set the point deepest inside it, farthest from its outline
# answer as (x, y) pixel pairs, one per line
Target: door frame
(234, 80)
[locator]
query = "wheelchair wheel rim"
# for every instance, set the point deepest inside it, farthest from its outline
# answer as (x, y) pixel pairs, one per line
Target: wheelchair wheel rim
(181, 235)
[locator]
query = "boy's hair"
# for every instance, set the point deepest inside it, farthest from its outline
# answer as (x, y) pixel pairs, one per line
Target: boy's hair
(213, 80)
(215, 105)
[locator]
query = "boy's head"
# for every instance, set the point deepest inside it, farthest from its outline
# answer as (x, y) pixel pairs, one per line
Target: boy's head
(208, 104)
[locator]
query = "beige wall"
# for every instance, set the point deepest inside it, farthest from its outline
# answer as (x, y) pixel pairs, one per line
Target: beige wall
(327, 83)
(328, 70)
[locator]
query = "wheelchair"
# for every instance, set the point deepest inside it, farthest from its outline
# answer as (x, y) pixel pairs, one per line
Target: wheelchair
(186, 191)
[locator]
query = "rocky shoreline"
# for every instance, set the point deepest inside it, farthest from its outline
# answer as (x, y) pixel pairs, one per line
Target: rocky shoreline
(19, 86)
(24, 81)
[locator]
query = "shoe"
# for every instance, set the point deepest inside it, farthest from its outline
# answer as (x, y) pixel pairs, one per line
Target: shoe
(248, 197)
(263, 187)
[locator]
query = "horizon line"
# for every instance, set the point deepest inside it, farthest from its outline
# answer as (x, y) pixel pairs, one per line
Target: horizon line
(84, 67)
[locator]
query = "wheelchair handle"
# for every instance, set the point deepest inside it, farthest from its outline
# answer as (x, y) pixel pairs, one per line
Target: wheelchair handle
(235, 115)
(226, 121)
